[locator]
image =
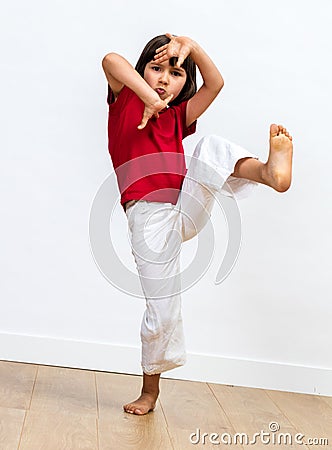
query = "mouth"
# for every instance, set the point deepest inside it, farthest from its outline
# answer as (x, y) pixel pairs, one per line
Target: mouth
(160, 91)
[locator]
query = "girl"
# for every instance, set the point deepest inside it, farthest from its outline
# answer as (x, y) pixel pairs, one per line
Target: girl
(151, 109)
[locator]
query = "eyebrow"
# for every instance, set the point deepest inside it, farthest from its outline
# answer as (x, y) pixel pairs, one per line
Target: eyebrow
(179, 69)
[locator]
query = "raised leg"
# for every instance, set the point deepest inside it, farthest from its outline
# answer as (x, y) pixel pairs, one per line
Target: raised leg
(277, 171)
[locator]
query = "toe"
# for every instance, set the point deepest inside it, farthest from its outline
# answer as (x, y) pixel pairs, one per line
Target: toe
(286, 133)
(280, 128)
(128, 408)
(274, 130)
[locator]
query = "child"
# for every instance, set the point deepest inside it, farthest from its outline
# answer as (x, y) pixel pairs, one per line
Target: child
(151, 109)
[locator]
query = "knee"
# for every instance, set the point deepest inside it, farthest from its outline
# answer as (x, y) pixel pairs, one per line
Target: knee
(211, 143)
(213, 139)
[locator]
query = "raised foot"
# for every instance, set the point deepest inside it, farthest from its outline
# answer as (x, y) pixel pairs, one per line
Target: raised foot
(277, 171)
(144, 404)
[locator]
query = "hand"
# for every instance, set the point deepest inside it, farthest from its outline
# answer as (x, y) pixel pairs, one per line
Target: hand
(179, 47)
(153, 109)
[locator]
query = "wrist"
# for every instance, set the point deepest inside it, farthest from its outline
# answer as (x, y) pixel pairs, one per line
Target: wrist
(141, 88)
(149, 96)
(194, 49)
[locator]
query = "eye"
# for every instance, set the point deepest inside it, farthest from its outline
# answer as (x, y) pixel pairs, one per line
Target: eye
(177, 74)
(155, 68)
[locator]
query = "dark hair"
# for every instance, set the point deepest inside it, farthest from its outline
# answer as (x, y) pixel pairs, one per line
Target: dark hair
(188, 65)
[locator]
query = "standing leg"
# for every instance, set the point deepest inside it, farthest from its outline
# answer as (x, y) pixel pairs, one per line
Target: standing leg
(149, 394)
(156, 242)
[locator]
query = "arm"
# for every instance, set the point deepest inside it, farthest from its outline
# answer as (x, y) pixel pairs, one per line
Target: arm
(212, 79)
(119, 72)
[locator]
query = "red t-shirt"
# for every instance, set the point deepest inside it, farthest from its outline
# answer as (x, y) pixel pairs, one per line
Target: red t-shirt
(149, 163)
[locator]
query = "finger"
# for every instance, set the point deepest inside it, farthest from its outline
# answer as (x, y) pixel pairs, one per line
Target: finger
(169, 35)
(179, 62)
(162, 52)
(160, 49)
(160, 55)
(181, 59)
(143, 123)
(159, 59)
(168, 99)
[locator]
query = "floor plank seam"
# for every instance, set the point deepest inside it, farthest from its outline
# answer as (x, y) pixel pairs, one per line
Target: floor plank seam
(28, 409)
(96, 393)
(285, 415)
(97, 431)
(33, 387)
(163, 411)
(216, 398)
(167, 427)
(97, 405)
(170, 437)
(21, 434)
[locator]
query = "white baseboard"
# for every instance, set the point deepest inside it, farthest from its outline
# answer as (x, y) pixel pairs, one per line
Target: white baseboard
(199, 367)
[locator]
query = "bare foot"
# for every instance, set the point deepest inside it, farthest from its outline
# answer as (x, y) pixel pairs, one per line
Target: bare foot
(277, 171)
(144, 404)
(149, 394)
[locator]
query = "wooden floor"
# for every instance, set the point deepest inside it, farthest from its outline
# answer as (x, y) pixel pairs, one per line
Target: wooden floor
(55, 408)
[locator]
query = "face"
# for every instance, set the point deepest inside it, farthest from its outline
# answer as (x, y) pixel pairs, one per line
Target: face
(165, 79)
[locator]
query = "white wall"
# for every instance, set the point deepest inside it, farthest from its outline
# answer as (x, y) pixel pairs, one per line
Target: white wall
(269, 323)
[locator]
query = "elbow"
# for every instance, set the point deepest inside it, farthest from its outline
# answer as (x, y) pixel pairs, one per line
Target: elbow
(217, 85)
(220, 83)
(108, 60)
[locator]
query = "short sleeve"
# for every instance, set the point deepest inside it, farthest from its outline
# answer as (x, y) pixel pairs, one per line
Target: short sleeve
(117, 102)
(110, 96)
(191, 129)
(186, 131)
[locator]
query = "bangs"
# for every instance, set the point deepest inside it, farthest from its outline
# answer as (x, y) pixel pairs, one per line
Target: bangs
(147, 55)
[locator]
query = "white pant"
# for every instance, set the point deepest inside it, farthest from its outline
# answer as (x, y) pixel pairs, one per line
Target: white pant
(157, 231)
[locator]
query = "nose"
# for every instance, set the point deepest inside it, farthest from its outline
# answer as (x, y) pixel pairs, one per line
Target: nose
(164, 77)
